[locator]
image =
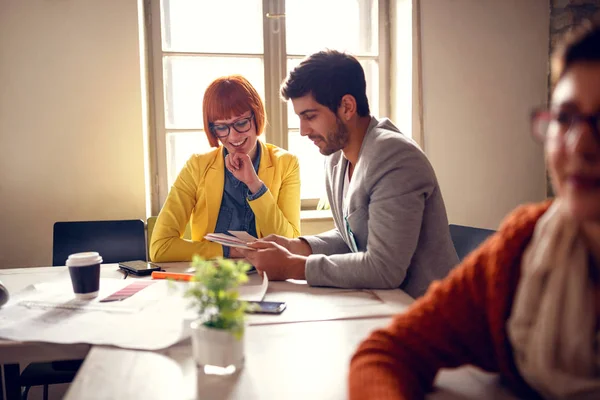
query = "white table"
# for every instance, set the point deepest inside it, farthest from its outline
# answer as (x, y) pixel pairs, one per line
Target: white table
(289, 361)
(283, 360)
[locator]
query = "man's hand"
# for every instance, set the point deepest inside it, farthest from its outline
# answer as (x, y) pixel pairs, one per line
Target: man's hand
(235, 253)
(240, 165)
(275, 260)
(294, 246)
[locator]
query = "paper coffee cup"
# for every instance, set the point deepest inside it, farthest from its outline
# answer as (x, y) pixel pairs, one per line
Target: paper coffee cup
(3, 294)
(84, 269)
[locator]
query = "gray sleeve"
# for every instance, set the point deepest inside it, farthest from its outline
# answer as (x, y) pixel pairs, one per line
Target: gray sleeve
(395, 214)
(327, 243)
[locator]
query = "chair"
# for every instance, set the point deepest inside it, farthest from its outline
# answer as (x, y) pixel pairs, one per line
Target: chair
(467, 238)
(116, 241)
(150, 222)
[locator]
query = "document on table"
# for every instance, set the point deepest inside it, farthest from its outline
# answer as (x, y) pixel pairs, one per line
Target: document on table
(151, 319)
(255, 289)
(305, 303)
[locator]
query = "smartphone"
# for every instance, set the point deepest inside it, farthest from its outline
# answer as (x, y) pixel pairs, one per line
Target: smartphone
(139, 268)
(266, 307)
(251, 271)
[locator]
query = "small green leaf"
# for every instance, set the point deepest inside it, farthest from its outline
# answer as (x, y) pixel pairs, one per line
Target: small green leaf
(213, 293)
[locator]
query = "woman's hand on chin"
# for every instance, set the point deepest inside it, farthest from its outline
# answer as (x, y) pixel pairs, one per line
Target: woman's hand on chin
(240, 165)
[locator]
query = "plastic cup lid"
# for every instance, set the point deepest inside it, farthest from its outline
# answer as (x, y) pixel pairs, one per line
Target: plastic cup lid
(83, 259)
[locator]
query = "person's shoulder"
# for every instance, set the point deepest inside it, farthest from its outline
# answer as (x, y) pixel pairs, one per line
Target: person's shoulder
(202, 159)
(503, 250)
(208, 154)
(385, 133)
(277, 151)
(279, 154)
(520, 223)
(494, 267)
(515, 230)
(384, 140)
(387, 146)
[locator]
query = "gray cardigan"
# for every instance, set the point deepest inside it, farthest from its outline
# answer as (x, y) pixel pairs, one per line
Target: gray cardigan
(396, 215)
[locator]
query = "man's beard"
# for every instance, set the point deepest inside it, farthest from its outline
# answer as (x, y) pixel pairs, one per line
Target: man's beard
(336, 140)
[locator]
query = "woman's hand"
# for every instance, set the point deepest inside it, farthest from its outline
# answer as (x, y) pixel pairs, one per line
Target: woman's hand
(240, 165)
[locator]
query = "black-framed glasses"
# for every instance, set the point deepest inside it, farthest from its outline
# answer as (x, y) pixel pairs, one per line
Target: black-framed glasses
(546, 123)
(242, 125)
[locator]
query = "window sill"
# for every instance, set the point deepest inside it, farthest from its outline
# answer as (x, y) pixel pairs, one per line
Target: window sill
(315, 215)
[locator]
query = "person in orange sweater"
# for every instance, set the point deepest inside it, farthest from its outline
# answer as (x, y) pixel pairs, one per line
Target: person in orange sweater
(526, 304)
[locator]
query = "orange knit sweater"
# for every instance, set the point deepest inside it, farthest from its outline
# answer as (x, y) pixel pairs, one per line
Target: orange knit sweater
(460, 320)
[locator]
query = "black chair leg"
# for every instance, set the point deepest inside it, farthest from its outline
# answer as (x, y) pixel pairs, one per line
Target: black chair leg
(11, 381)
(25, 393)
(45, 392)
(1, 382)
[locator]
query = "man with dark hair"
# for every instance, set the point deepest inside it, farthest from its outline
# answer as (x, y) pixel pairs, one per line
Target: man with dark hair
(391, 228)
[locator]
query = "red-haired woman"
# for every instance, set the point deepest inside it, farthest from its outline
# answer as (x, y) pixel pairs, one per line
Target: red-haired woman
(242, 184)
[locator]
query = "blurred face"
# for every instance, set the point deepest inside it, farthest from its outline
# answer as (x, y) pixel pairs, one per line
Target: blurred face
(573, 143)
(238, 134)
(323, 127)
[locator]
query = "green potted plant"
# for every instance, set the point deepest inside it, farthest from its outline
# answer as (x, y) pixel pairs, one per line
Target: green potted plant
(218, 333)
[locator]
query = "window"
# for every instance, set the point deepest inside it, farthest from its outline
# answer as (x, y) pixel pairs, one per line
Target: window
(196, 41)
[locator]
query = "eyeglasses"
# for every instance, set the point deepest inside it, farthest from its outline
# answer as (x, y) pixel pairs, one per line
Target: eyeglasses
(242, 125)
(546, 123)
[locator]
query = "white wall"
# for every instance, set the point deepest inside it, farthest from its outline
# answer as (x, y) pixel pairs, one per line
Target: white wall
(70, 81)
(401, 21)
(71, 126)
(484, 68)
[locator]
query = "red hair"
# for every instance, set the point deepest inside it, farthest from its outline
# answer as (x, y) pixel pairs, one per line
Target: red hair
(230, 96)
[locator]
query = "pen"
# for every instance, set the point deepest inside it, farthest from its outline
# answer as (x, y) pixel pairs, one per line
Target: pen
(176, 276)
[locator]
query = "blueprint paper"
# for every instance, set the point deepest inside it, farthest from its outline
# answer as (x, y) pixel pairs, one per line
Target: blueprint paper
(151, 319)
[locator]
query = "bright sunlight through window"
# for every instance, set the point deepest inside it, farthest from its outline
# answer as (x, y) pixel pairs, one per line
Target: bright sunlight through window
(197, 41)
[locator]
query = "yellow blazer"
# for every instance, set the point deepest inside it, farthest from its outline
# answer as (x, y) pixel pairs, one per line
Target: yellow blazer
(197, 194)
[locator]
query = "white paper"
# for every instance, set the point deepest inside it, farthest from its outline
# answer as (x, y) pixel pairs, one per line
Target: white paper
(151, 319)
(252, 291)
(305, 303)
(227, 240)
(245, 236)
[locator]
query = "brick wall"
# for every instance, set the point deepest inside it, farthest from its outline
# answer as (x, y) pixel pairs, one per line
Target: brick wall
(565, 14)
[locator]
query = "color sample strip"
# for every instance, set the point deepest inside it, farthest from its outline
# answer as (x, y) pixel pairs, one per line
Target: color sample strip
(127, 291)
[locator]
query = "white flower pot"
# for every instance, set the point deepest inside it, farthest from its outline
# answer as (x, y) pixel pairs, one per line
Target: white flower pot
(216, 349)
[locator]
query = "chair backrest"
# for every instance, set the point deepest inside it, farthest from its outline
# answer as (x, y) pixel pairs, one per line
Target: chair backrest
(467, 238)
(150, 222)
(116, 241)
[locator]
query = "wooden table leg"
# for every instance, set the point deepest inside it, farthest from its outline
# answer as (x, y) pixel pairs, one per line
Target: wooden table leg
(11, 381)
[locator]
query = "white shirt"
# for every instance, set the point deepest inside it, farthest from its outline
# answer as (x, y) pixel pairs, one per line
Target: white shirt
(345, 190)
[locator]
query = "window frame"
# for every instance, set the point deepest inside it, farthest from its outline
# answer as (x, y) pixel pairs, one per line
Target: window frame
(275, 70)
